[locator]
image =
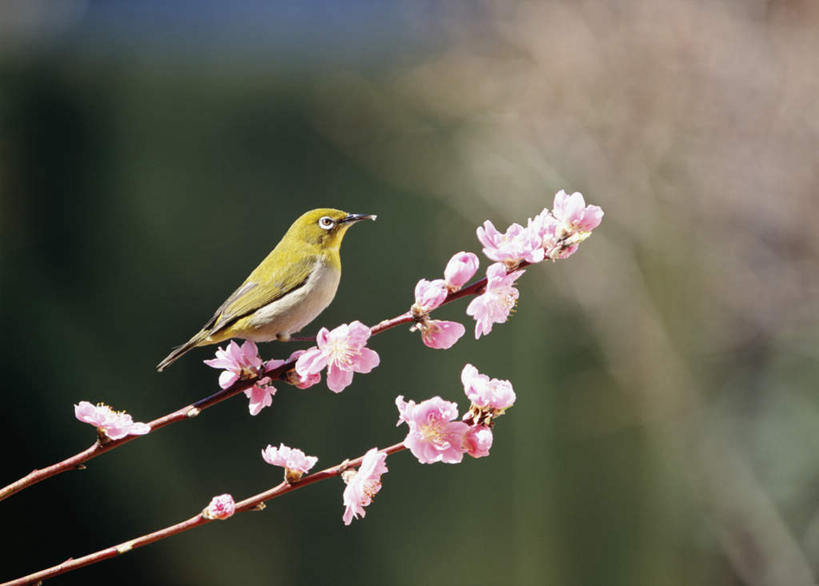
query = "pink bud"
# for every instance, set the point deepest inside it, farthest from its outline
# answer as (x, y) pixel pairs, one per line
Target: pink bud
(221, 507)
(478, 441)
(460, 268)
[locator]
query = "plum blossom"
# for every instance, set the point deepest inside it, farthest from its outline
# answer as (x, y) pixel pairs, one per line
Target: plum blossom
(363, 485)
(294, 461)
(487, 393)
(220, 507)
(342, 351)
(237, 361)
(260, 395)
(429, 295)
(515, 245)
(478, 441)
(440, 334)
(433, 435)
(460, 268)
(574, 214)
(497, 301)
(569, 223)
(111, 424)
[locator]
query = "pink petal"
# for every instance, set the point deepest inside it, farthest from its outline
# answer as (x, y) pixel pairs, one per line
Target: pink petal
(311, 362)
(227, 378)
(357, 334)
(338, 379)
(366, 361)
(460, 268)
(441, 334)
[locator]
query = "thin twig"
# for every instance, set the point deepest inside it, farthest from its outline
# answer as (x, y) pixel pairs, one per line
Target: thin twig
(249, 504)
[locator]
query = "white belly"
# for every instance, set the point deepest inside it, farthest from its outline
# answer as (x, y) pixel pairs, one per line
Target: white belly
(295, 310)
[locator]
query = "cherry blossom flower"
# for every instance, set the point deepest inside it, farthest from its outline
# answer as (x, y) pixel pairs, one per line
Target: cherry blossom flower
(573, 212)
(363, 485)
(440, 334)
(238, 361)
(460, 268)
(516, 244)
(260, 395)
(568, 224)
(429, 295)
(343, 352)
(220, 507)
(497, 301)
(478, 441)
(294, 461)
(112, 424)
(487, 393)
(433, 435)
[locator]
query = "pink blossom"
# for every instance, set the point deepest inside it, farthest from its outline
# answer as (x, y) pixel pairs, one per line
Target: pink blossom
(478, 441)
(516, 244)
(554, 235)
(293, 460)
(433, 435)
(460, 268)
(220, 507)
(238, 361)
(573, 212)
(342, 351)
(260, 395)
(497, 301)
(441, 334)
(114, 424)
(485, 392)
(430, 294)
(363, 485)
(291, 376)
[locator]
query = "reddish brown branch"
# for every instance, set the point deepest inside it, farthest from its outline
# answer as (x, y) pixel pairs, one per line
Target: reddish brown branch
(251, 503)
(98, 448)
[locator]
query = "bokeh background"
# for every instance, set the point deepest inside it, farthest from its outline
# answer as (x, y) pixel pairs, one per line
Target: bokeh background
(667, 424)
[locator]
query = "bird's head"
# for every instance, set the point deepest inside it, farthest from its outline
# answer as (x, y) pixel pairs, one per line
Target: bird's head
(323, 227)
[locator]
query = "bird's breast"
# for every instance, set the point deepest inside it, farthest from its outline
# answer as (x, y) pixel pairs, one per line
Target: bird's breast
(296, 309)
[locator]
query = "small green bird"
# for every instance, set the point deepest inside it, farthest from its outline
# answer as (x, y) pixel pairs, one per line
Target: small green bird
(288, 290)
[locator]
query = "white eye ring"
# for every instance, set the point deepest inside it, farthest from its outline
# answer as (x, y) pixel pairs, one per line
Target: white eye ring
(326, 222)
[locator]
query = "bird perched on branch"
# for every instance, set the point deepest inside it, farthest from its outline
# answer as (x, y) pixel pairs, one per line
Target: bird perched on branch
(288, 290)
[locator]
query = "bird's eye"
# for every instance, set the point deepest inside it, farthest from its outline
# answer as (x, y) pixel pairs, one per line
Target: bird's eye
(326, 222)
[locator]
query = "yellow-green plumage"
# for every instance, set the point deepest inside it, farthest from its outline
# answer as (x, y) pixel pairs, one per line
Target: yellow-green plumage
(289, 288)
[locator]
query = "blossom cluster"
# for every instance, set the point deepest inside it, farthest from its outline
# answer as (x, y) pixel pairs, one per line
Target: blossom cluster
(552, 234)
(243, 362)
(430, 295)
(435, 433)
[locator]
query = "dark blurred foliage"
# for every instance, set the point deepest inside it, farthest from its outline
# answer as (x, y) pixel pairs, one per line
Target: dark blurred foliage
(153, 153)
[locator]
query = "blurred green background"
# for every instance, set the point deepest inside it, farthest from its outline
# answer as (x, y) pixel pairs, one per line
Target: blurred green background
(152, 153)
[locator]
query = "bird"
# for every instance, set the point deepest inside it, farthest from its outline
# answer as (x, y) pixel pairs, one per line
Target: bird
(289, 288)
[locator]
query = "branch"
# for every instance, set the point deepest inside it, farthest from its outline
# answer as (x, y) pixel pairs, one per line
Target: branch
(255, 502)
(104, 445)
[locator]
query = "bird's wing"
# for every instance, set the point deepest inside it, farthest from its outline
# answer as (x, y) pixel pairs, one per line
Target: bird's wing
(265, 291)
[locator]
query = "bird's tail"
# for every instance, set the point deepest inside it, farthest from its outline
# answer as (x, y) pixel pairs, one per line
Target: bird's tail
(180, 350)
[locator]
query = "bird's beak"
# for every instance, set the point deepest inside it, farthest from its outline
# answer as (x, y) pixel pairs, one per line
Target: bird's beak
(353, 218)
